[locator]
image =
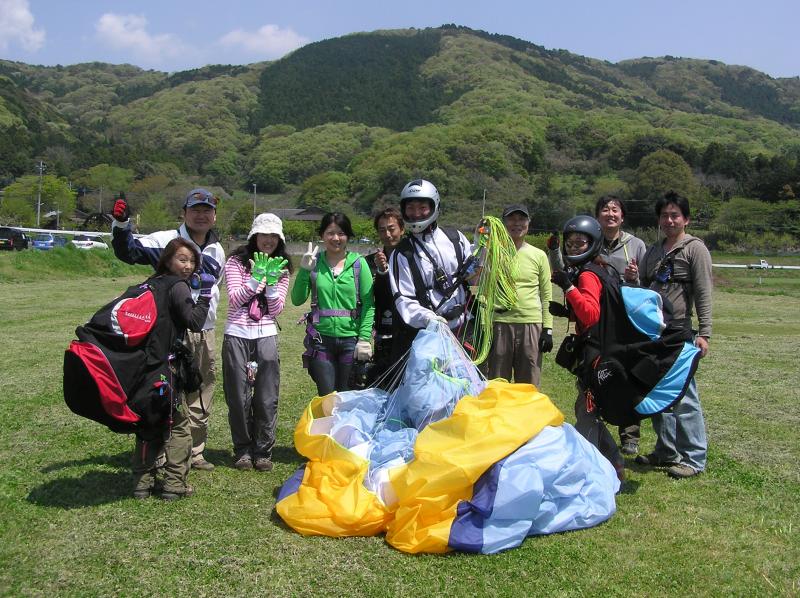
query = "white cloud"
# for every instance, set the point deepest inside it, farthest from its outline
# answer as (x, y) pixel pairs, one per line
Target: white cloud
(129, 33)
(270, 41)
(16, 25)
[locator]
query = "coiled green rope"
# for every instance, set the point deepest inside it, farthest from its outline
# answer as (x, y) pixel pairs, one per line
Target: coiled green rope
(496, 289)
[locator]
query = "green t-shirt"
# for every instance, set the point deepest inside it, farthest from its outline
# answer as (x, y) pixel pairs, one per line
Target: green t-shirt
(534, 290)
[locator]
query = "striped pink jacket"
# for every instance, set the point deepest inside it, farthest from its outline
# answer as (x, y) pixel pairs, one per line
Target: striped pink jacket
(241, 289)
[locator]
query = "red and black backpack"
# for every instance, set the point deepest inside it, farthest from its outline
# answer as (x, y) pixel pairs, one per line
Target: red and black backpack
(118, 371)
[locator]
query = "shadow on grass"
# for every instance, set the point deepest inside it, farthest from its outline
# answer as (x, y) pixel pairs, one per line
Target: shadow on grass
(119, 461)
(280, 454)
(629, 487)
(90, 489)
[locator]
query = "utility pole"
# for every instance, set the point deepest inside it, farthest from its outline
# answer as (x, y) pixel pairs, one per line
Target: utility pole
(40, 167)
(254, 201)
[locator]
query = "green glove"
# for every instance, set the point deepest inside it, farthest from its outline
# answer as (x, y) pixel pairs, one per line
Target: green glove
(275, 269)
(258, 266)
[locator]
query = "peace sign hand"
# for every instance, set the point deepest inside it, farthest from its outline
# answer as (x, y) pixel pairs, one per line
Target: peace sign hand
(309, 259)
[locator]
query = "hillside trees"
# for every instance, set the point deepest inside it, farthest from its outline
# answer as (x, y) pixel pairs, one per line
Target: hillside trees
(328, 191)
(288, 159)
(372, 79)
(658, 173)
(153, 215)
(197, 124)
(20, 199)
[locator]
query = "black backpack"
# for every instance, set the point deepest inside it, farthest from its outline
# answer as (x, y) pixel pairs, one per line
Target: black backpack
(636, 361)
(122, 370)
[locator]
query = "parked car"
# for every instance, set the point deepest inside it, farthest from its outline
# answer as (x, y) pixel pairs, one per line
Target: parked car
(44, 241)
(88, 242)
(12, 238)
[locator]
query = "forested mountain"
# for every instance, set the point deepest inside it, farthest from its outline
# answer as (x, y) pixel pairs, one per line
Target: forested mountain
(345, 122)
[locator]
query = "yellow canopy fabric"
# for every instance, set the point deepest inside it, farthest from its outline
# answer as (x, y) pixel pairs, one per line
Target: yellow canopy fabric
(450, 456)
(332, 499)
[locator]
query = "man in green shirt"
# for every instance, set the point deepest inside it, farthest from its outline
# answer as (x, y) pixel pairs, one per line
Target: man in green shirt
(522, 334)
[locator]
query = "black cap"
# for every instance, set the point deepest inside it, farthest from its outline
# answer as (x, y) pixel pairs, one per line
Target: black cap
(517, 207)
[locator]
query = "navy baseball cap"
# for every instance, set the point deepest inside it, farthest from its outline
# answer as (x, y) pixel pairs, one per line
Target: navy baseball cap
(198, 197)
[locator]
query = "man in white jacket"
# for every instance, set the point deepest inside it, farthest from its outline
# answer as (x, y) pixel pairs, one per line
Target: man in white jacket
(199, 216)
(426, 275)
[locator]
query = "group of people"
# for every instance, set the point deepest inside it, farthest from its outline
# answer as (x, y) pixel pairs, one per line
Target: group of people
(421, 274)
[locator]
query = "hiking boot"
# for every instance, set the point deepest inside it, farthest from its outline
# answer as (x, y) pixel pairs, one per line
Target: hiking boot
(629, 448)
(243, 463)
(653, 460)
(202, 464)
(263, 464)
(177, 494)
(680, 471)
(142, 493)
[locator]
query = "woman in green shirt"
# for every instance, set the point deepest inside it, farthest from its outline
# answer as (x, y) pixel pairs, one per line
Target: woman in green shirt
(342, 307)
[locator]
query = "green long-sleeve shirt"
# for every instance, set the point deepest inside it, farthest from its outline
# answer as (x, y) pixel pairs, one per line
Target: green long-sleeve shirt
(534, 290)
(339, 292)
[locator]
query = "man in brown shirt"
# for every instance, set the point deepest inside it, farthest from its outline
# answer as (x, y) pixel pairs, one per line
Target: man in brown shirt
(679, 269)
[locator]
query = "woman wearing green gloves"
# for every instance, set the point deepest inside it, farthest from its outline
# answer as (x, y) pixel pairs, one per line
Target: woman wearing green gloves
(257, 279)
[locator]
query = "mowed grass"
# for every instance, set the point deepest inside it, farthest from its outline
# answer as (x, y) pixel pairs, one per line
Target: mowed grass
(69, 526)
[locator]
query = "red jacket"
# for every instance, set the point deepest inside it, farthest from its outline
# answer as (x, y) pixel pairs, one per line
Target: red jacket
(584, 299)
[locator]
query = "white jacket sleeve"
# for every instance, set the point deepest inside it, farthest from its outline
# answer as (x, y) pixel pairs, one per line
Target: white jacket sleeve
(403, 289)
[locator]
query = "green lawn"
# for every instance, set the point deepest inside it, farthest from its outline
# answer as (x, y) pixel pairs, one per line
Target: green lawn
(69, 526)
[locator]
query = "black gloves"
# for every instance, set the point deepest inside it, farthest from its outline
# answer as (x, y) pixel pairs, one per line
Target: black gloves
(546, 340)
(553, 241)
(561, 278)
(558, 310)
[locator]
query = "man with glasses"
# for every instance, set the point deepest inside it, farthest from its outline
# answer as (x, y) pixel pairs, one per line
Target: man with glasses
(199, 217)
(679, 269)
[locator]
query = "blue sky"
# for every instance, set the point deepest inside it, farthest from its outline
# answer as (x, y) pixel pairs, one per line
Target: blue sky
(173, 35)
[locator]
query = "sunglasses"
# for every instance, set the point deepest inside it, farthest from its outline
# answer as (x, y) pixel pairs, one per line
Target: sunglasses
(205, 197)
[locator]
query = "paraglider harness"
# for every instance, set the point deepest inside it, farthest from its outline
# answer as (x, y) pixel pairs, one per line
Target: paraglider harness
(620, 365)
(441, 282)
(312, 318)
(124, 371)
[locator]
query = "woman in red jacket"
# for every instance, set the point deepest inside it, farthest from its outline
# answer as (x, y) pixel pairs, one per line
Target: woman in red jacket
(582, 240)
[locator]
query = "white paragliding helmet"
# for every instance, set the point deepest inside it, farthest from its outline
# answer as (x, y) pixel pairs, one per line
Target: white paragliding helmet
(419, 189)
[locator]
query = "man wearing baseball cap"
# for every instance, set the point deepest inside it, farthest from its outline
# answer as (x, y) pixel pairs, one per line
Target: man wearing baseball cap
(199, 217)
(523, 333)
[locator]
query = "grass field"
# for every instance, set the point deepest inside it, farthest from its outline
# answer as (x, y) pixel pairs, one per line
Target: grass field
(70, 528)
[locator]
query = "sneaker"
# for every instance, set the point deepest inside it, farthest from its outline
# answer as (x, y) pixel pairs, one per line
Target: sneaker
(653, 460)
(244, 462)
(629, 448)
(263, 464)
(202, 464)
(681, 470)
(178, 494)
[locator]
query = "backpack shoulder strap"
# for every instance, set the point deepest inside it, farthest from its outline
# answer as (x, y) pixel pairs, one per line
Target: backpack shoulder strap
(357, 280)
(455, 239)
(406, 249)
